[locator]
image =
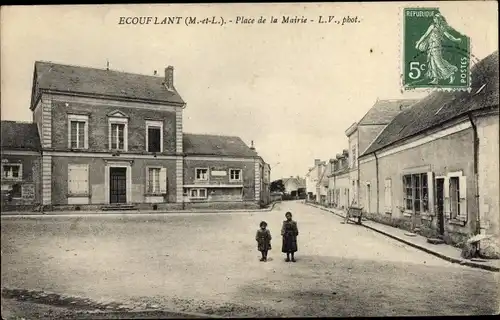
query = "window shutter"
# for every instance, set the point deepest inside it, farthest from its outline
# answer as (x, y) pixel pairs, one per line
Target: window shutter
(430, 192)
(71, 187)
(463, 198)
(85, 179)
(163, 180)
(147, 179)
(446, 196)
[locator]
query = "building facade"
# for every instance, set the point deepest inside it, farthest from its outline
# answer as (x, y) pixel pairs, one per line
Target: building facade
(340, 177)
(424, 170)
(21, 166)
(361, 134)
(115, 139)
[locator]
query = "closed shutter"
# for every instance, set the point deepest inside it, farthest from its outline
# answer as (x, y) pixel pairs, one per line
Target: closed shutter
(462, 214)
(163, 180)
(78, 175)
(148, 189)
(446, 198)
(430, 192)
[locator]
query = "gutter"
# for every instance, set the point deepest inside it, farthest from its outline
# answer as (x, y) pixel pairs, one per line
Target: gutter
(377, 182)
(476, 177)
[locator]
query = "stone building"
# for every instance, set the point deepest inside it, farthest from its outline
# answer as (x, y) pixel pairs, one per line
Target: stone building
(112, 139)
(21, 165)
(435, 166)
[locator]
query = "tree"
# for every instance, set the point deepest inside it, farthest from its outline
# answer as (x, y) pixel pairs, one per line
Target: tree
(277, 186)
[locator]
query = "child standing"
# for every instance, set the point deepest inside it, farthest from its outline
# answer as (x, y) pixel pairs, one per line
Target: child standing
(263, 238)
(289, 232)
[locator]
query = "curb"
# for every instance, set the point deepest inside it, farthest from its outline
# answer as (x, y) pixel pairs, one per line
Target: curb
(414, 245)
(130, 212)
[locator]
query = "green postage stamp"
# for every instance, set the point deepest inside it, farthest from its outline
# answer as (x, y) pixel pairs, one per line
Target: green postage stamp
(435, 56)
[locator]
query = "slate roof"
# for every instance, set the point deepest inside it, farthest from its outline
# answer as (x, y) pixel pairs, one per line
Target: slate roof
(215, 145)
(384, 111)
(440, 107)
(102, 82)
(19, 136)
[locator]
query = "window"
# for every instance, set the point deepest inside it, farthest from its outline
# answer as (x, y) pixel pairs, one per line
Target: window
(235, 175)
(198, 194)
(416, 197)
(156, 181)
(78, 131)
(118, 134)
(78, 183)
(12, 171)
(154, 136)
(202, 174)
(454, 197)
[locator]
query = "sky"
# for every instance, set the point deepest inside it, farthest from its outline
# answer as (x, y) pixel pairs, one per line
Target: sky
(291, 88)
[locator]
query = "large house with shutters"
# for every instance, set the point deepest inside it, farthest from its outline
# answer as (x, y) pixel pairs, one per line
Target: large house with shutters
(110, 139)
(435, 166)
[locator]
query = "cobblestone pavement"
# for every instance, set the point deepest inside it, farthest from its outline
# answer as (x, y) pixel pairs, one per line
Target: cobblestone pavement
(209, 264)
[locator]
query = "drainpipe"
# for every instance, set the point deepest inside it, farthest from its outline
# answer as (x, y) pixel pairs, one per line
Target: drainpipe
(377, 181)
(476, 178)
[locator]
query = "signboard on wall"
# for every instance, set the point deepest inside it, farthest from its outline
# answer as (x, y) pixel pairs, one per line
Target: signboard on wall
(28, 191)
(218, 173)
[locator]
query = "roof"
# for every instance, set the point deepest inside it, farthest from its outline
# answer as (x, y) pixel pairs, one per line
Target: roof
(384, 111)
(301, 183)
(441, 107)
(102, 82)
(20, 136)
(204, 144)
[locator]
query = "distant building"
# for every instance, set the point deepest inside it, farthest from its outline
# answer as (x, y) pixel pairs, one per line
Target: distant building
(293, 185)
(339, 180)
(435, 166)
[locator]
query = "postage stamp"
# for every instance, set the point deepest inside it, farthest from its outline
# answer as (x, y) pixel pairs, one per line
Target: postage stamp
(435, 56)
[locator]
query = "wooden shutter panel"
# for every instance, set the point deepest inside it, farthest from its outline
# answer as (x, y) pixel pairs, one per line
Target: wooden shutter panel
(463, 198)
(163, 180)
(446, 196)
(147, 180)
(430, 192)
(71, 186)
(85, 179)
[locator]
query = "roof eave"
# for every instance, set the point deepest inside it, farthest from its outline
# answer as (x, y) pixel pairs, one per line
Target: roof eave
(114, 97)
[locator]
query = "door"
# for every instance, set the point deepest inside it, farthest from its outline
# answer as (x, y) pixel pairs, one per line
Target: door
(440, 204)
(117, 185)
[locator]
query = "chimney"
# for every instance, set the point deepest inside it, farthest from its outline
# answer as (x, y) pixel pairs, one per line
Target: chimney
(317, 162)
(251, 146)
(169, 78)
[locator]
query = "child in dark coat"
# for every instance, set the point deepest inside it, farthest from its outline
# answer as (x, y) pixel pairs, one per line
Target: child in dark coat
(263, 238)
(289, 232)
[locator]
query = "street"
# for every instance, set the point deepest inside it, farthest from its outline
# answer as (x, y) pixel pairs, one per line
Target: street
(209, 263)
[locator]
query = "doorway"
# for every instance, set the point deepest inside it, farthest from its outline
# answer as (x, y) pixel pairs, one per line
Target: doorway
(117, 185)
(440, 204)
